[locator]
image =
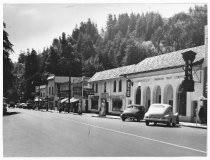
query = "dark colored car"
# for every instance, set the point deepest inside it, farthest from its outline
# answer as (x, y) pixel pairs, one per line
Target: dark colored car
(133, 112)
(64, 107)
(24, 105)
(4, 108)
(11, 104)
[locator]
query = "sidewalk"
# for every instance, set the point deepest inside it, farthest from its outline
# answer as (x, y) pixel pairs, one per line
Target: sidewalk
(185, 124)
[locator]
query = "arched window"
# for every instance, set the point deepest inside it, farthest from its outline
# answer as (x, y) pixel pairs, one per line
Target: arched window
(96, 87)
(115, 86)
(120, 86)
(138, 95)
(104, 87)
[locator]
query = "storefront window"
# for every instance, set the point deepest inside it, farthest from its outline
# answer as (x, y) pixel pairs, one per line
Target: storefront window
(104, 87)
(115, 85)
(96, 87)
(94, 103)
(116, 104)
(120, 86)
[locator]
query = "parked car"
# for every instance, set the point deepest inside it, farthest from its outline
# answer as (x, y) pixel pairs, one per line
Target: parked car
(18, 105)
(11, 104)
(161, 113)
(134, 111)
(30, 104)
(64, 107)
(24, 105)
(4, 108)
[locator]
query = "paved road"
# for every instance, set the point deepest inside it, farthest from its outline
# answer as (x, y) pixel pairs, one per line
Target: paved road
(32, 133)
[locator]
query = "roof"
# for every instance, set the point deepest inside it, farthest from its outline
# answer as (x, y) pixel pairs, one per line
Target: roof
(111, 73)
(58, 79)
(168, 60)
(51, 77)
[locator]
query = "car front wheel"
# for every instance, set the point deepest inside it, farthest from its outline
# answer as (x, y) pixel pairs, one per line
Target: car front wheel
(147, 123)
(123, 119)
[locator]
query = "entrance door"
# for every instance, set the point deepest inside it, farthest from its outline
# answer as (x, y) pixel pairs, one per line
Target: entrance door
(138, 95)
(182, 98)
(86, 106)
(107, 107)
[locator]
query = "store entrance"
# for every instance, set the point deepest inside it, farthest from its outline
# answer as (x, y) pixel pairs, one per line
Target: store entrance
(107, 107)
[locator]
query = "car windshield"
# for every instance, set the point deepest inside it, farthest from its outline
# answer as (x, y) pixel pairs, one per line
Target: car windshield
(133, 107)
(130, 107)
(159, 109)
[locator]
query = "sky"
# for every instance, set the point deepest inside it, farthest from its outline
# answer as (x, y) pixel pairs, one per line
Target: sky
(35, 25)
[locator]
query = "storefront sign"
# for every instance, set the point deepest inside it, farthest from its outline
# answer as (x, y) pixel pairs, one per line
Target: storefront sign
(157, 79)
(144, 80)
(104, 95)
(88, 91)
(168, 77)
(128, 88)
(177, 77)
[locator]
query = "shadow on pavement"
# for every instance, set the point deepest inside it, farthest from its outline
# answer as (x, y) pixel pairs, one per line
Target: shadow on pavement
(164, 125)
(10, 113)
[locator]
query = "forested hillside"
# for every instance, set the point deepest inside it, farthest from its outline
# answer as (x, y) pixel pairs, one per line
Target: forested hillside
(126, 39)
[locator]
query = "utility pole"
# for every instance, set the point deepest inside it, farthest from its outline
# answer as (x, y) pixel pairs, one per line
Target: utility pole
(82, 91)
(69, 93)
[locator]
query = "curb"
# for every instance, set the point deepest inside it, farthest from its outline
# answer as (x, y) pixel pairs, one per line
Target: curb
(181, 124)
(201, 127)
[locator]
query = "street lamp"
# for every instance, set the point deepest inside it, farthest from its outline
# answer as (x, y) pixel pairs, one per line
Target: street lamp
(69, 91)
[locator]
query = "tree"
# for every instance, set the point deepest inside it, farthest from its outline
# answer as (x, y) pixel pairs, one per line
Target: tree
(52, 62)
(134, 53)
(91, 66)
(22, 57)
(8, 78)
(31, 75)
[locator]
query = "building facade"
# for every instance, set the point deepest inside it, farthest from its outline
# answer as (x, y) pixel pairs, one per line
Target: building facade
(109, 86)
(156, 79)
(52, 90)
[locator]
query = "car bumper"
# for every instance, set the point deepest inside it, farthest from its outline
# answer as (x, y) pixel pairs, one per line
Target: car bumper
(160, 120)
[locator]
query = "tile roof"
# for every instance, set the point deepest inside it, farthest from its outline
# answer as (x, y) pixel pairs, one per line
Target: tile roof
(164, 61)
(168, 60)
(111, 73)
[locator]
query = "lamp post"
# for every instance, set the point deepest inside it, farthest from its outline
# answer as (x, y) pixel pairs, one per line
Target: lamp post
(69, 91)
(69, 95)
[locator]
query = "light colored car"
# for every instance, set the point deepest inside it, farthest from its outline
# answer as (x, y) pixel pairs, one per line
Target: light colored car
(161, 113)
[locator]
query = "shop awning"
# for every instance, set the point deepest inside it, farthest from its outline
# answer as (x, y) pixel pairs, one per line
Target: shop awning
(64, 100)
(72, 100)
(202, 98)
(37, 99)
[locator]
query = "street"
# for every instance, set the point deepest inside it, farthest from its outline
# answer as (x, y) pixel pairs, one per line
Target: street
(29, 133)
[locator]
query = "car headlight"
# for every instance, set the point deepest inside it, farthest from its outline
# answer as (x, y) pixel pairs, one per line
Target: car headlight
(166, 116)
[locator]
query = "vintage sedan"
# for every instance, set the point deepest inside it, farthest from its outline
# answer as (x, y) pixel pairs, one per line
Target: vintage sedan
(161, 113)
(134, 111)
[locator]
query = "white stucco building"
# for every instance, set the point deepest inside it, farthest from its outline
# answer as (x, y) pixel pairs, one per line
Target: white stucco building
(109, 86)
(158, 80)
(155, 80)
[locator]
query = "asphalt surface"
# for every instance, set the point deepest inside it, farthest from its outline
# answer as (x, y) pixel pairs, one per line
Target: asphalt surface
(29, 133)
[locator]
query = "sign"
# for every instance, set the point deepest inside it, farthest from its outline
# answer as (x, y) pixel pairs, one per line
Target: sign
(188, 83)
(128, 88)
(104, 95)
(88, 91)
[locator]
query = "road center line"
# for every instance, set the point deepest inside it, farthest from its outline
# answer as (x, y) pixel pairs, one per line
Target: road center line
(130, 134)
